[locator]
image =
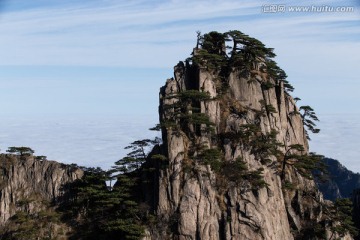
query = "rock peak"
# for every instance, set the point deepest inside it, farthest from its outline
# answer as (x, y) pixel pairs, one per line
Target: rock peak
(237, 149)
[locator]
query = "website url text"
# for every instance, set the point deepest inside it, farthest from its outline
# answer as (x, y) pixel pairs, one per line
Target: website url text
(281, 8)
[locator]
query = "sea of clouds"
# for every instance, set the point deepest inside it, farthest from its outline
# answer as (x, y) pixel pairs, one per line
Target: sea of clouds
(91, 141)
(100, 141)
(339, 138)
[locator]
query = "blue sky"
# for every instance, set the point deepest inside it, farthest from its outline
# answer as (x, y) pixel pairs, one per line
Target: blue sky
(84, 59)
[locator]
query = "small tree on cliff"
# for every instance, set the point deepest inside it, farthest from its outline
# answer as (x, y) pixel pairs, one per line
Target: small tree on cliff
(186, 111)
(265, 146)
(41, 158)
(308, 116)
(278, 74)
(20, 150)
(137, 156)
(303, 163)
(289, 155)
(340, 216)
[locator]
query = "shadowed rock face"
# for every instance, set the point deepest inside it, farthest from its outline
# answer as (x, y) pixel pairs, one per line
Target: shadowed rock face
(341, 182)
(356, 210)
(27, 183)
(202, 209)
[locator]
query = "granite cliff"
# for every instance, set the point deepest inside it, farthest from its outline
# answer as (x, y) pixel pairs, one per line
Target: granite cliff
(30, 187)
(223, 113)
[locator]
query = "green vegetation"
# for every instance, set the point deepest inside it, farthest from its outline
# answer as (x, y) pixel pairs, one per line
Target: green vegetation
(238, 172)
(232, 171)
(212, 157)
(335, 223)
(185, 113)
(112, 212)
(41, 158)
(40, 224)
(190, 96)
(267, 85)
(308, 116)
(303, 163)
(136, 157)
(197, 119)
(266, 148)
(267, 108)
(263, 146)
(279, 75)
(289, 186)
(212, 54)
(20, 150)
(245, 54)
(341, 219)
(246, 51)
(104, 213)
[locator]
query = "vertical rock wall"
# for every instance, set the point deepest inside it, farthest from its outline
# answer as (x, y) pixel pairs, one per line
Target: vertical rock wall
(27, 182)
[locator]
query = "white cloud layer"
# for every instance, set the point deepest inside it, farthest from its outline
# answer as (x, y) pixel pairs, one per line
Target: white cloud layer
(100, 141)
(85, 141)
(339, 139)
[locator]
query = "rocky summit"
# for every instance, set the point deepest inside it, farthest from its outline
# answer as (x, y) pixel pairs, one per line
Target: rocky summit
(237, 149)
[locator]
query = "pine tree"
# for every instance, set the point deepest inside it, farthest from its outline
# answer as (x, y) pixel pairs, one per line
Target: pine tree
(20, 150)
(308, 116)
(341, 219)
(136, 157)
(303, 163)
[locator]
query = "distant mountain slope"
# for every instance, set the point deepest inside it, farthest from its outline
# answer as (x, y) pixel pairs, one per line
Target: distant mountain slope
(341, 182)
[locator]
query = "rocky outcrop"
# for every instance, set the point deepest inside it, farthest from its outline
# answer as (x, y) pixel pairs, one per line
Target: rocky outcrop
(28, 184)
(202, 210)
(192, 199)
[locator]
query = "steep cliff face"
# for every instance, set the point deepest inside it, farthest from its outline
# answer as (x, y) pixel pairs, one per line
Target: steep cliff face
(28, 184)
(198, 202)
